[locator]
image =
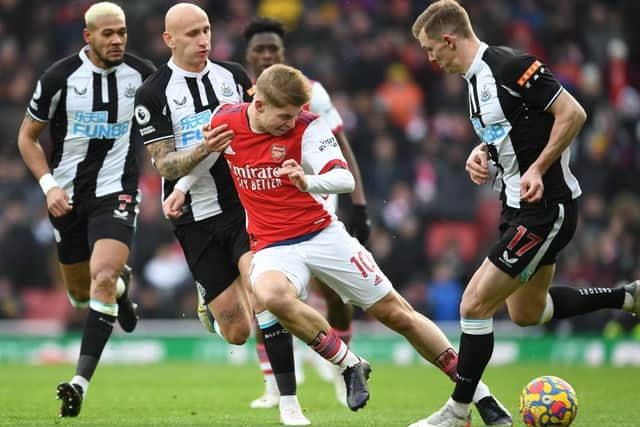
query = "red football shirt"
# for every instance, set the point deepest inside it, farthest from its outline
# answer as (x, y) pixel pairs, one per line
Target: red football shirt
(276, 210)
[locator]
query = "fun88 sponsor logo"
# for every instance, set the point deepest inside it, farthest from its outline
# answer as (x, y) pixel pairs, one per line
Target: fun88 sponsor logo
(190, 129)
(96, 125)
(490, 133)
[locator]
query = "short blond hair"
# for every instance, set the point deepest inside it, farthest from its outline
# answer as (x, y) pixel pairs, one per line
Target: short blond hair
(282, 85)
(104, 8)
(443, 16)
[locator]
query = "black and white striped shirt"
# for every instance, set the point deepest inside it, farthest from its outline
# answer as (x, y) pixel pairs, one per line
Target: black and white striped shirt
(174, 103)
(509, 94)
(89, 110)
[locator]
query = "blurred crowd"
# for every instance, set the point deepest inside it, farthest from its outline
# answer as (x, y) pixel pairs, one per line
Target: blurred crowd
(407, 121)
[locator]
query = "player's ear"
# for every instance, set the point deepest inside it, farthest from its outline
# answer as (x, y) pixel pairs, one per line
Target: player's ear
(86, 35)
(168, 40)
(259, 104)
(450, 40)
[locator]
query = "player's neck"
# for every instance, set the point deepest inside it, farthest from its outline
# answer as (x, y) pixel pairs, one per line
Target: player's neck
(190, 68)
(468, 49)
(254, 121)
(95, 60)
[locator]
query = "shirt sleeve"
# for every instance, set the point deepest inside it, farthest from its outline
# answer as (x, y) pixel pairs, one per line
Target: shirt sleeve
(320, 150)
(152, 116)
(532, 79)
(46, 96)
(321, 104)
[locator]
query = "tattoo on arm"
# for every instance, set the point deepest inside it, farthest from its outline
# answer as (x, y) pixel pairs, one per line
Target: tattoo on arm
(173, 164)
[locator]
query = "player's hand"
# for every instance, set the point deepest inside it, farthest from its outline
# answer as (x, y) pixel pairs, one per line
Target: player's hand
(172, 205)
(217, 139)
(294, 171)
(359, 223)
(531, 186)
(58, 202)
(478, 165)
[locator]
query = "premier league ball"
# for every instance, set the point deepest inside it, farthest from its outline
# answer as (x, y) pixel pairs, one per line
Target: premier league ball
(548, 402)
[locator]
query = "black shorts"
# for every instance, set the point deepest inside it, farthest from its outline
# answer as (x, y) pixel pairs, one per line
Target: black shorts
(108, 217)
(212, 248)
(533, 236)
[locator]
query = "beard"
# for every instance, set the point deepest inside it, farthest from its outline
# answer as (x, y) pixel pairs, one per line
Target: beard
(109, 63)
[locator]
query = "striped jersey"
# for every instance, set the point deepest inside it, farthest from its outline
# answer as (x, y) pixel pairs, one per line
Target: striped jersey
(176, 104)
(509, 95)
(89, 111)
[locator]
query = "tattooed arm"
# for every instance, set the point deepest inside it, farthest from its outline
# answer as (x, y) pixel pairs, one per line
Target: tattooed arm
(173, 164)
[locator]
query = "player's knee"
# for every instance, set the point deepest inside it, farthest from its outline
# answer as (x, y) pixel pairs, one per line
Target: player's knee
(474, 308)
(237, 334)
(525, 317)
(104, 280)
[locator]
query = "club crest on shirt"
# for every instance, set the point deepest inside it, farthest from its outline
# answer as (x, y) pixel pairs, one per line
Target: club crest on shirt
(226, 89)
(130, 91)
(485, 93)
(278, 151)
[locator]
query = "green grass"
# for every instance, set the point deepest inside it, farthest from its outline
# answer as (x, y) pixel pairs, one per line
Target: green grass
(196, 394)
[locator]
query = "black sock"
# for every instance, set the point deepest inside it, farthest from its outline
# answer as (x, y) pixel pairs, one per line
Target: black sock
(97, 331)
(569, 302)
(474, 355)
(279, 346)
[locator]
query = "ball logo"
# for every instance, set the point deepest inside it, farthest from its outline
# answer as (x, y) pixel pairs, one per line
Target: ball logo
(142, 115)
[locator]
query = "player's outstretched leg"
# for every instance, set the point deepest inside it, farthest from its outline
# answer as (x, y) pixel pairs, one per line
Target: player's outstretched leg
(127, 309)
(71, 396)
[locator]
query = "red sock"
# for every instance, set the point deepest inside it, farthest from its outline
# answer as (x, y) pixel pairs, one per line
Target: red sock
(332, 348)
(345, 334)
(448, 363)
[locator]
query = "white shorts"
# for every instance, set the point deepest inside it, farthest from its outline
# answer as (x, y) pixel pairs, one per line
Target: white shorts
(334, 257)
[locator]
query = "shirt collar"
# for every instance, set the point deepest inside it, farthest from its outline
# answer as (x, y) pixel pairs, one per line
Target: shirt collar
(175, 67)
(85, 58)
(476, 63)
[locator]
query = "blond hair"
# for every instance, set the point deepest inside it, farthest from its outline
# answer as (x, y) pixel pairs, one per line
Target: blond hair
(443, 16)
(281, 85)
(104, 8)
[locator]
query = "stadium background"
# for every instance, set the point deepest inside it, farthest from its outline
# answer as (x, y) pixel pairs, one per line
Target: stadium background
(408, 124)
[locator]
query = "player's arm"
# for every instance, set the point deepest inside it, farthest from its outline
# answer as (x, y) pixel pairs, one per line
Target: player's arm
(323, 169)
(534, 82)
(173, 164)
(569, 116)
(477, 165)
(35, 159)
(156, 133)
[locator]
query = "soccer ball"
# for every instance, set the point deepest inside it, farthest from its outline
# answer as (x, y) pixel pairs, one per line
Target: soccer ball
(548, 402)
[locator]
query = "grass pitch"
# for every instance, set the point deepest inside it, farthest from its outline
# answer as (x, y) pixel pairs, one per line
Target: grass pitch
(196, 394)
